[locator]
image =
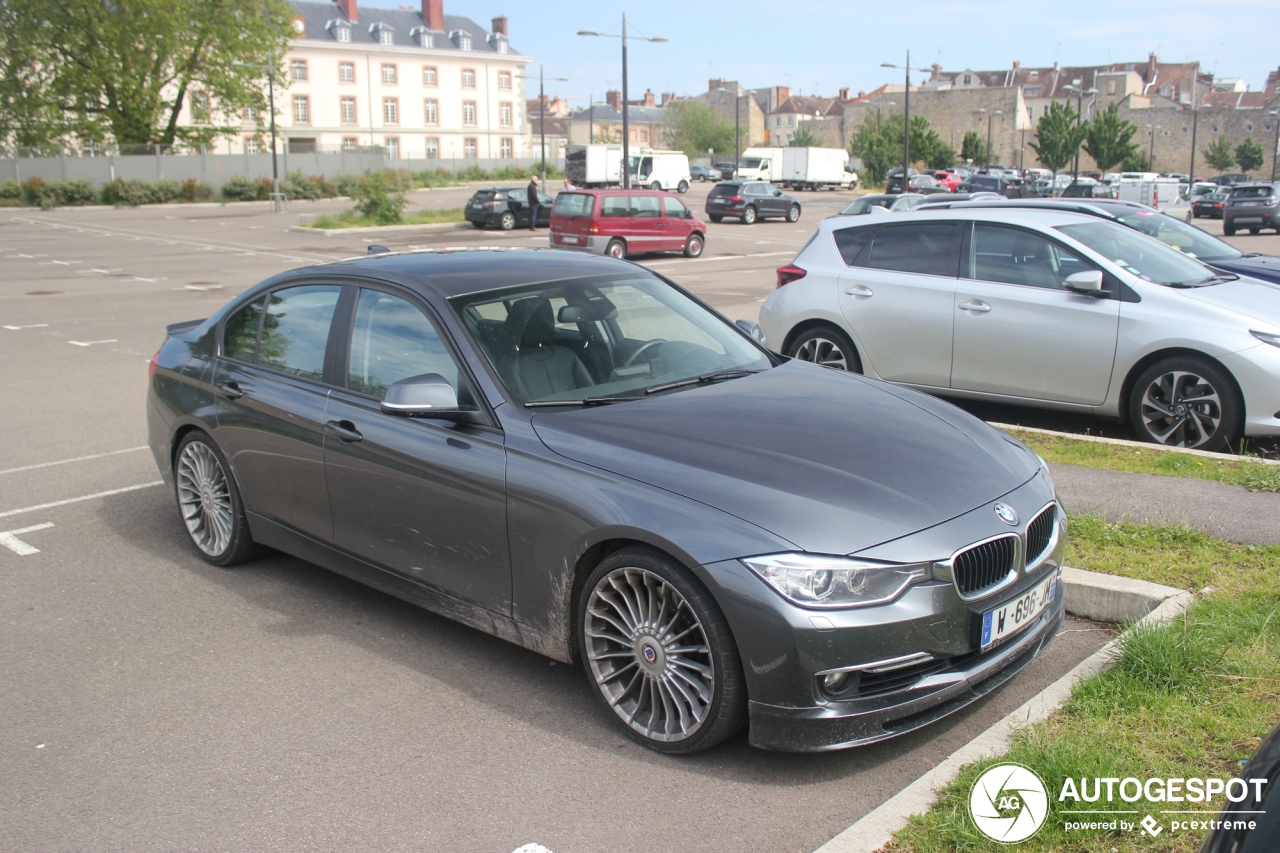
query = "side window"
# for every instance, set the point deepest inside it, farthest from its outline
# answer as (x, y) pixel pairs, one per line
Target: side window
(240, 332)
(1013, 256)
(851, 241)
(646, 206)
(295, 330)
(675, 208)
(930, 248)
(393, 340)
(615, 205)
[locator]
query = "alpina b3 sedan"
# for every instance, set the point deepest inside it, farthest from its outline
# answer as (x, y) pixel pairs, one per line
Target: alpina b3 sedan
(574, 454)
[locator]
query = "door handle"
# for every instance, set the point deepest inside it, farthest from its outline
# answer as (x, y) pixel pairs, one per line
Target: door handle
(859, 290)
(231, 390)
(343, 431)
(977, 306)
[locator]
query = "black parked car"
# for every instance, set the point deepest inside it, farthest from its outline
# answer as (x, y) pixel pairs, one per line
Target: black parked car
(506, 208)
(1251, 824)
(1252, 206)
(574, 454)
(1209, 204)
(893, 180)
(1079, 190)
(1007, 187)
(726, 169)
(749, 201)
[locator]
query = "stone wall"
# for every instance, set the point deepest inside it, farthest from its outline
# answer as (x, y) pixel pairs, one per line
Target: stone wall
(1173, 133)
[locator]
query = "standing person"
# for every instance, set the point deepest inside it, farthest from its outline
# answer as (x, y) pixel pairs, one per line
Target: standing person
(533, 203)
(568, 185)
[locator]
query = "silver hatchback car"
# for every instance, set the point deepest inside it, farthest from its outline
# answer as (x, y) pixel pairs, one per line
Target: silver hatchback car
(1038, 308)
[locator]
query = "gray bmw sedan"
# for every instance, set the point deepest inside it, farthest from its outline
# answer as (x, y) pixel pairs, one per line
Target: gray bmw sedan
(574, 454)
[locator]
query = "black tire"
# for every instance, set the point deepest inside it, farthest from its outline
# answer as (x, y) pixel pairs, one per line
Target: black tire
(655, 186)
(239, 545)
(694, 245)
(827, 346)
(702, 179)
(1255, 230)
(616, 249)
(508, 221)
(649, 569)
(749, 216)
(714, 217)
(682, 187)
(1228, 230)
(793, 213)
(1212, 421)
(478, 224)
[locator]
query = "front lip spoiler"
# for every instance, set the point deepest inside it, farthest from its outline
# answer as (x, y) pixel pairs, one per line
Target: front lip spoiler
(840, 725)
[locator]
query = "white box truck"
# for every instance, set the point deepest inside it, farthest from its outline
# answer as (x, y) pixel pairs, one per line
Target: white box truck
(760, 164)
(816, 168)
(661, 170)
(596, 165)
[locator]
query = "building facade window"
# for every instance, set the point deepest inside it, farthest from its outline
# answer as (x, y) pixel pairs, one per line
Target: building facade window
(791, 122)
(469, 147)
(425, 39)
(501, 45)
(392, 144)
(388, 72)
(390, 111)
(347, 109)
(431, 111)
(1185, 129)
(200, 107)
(301, 109)
(342, 34)
(1248, 127)
(251, 115)
(968, 80)
(644, 135)
(464, 42)
(429, 76)
(1214, 128)
(350, 143)
(504, 81)
(251, 145)
(504, 114)
(468, 113)
(507, 148)
(385, 36)
(346, 72)
(433, 146)
(468, 78)
(298, 69)
(1166, 91)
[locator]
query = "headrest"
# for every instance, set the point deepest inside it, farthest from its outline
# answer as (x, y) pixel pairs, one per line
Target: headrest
(532, 322)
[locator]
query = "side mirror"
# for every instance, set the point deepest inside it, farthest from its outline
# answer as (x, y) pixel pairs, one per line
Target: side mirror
(753, 329)
(1088, 282)
(426, 395)
(777, 192)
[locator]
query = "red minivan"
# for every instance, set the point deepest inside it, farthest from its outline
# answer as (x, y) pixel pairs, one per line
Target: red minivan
(619, 222)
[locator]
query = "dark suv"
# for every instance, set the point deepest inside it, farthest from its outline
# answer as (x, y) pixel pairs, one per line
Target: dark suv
(1007, 187)
(893, 181)
(749, 201)
(505, 208)
(1252, 206)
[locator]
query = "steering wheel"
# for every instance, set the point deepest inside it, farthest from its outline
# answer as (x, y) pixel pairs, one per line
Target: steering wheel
(653, 344)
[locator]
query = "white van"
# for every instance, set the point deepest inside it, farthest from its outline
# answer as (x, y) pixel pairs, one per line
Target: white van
(661, 170)
(760, 164)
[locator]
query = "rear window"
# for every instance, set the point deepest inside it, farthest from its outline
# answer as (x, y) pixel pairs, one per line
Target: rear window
(985, 183)
(851, 241)
(573, 204)
(724, 189)
(929, 248)
(1251, 192)
(484, 195)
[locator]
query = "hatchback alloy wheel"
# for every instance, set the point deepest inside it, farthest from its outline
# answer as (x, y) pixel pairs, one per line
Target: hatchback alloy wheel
(826, 347)
(1186, 402)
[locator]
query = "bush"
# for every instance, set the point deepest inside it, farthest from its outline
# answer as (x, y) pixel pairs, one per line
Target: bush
(379, 197)
(473, 173)
(346, 184)
(164, 190)
(324, 186)
(193, 190)
(122, 193)
(10, 191)
(240, 188)
(299, 186)
(435, 178)
(34, 191)
(74, 192)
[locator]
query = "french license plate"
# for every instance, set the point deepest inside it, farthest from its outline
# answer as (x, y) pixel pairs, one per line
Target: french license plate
(569, 238)
(715, 201)
(1017, 614)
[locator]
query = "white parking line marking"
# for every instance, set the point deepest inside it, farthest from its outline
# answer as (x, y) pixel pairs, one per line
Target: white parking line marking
(205, 288)
(10, 540)
(105, 494)
(30, 326)
(91, 343)
(76, 459)
(719, 258)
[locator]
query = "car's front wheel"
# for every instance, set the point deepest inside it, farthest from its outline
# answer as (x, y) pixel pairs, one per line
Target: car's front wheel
(1229, 230)
(210, 502)
(715, 217)
(749, 216)
(693, 246)
(826, 346)
(1186, 402)
(660, 653)
(793, 213)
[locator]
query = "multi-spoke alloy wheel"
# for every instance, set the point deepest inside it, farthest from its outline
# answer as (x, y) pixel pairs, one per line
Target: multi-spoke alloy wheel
(649, 654)
(1185, 402)
(205, 498)
(826, 347)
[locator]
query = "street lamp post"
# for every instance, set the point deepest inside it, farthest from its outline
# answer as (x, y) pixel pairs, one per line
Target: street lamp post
(1080, 91)
(1195, 116)
(276, 197)
(906, 117)
(991, 117)
(626, 126)
(737, 125)
(1151, 148)
(542, 114)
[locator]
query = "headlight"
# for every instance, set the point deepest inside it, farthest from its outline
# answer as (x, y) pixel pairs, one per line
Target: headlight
(1266, 337)
(816, 580)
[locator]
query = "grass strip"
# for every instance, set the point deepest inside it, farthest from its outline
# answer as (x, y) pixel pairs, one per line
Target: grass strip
(1191, 698)
(1234, 471)
(348, 219)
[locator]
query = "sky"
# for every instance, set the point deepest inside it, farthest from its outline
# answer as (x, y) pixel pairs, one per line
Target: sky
(818, 46)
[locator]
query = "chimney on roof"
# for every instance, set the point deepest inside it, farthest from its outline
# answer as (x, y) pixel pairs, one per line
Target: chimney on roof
(667, 97)
(784, 92)
(1151, 67)
(349, 9)
(648, 98)
(614, 99)
(432, 14)
(500, 25)
(844, 93)
(715, 83)
(1017, 63)
(935, 71)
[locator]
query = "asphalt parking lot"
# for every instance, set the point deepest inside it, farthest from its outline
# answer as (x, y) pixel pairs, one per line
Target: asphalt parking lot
(156, 703)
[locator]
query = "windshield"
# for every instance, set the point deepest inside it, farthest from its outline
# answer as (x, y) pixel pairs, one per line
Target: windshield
(606, 336)
(753, 163)
(1148, 259)
(864, 205)
(1185, 238)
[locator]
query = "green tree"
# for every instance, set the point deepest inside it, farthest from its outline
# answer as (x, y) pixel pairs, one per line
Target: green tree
(1137, 161)
(1219, 156)
(693, 127)
(1109, 140)
(940, 154)
(875, 152)
(1249, 155)
(1057, 136)
(123, 70)
(805, 138)
(973, 148)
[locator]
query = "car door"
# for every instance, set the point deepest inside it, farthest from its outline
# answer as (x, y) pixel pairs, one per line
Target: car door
(679, 220)
(649, 231)
(897, 296)
(1018, 329)
(544, 210)
(425, 498)
(518, 203)
(271, 403)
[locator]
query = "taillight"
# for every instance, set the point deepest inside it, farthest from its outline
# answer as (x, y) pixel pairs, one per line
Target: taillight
(790, 273)
(593, 228)
(152, 365)
(734, 198)
(1219, 204)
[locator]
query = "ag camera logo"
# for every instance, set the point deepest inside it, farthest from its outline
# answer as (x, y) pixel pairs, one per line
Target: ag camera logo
(1009, 803)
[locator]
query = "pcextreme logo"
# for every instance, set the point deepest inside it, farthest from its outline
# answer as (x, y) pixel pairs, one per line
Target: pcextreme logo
(1009, 803)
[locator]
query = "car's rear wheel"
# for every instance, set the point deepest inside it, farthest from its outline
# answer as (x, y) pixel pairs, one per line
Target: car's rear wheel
(660, 653)
(682, 187)
(793, 213)
(749, 216)
(1229, 230)
(508, 221)
(210, 502)
(1186, 402)
(616, 249)
(477, 224)
(693, 246)
(655, 186)
(714, 218)
(702, 179)
(826, 346)
(1255, 230)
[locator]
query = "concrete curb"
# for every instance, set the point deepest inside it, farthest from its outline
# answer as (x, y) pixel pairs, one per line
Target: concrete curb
(370, 229)
(1111, 599)
(1122, 442)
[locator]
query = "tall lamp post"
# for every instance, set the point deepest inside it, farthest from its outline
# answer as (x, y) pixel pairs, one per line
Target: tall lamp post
(906, 116)
(626, 126)
(1275, 119)
(1081, 91)
(1151, 147)
(991, 117)
(542, 114)
(1195, 116)
(276, 197)
(737, 125)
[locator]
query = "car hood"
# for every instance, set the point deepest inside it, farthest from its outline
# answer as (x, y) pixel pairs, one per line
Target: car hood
(1254, 298)
(832, 462)
(1262, 266)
